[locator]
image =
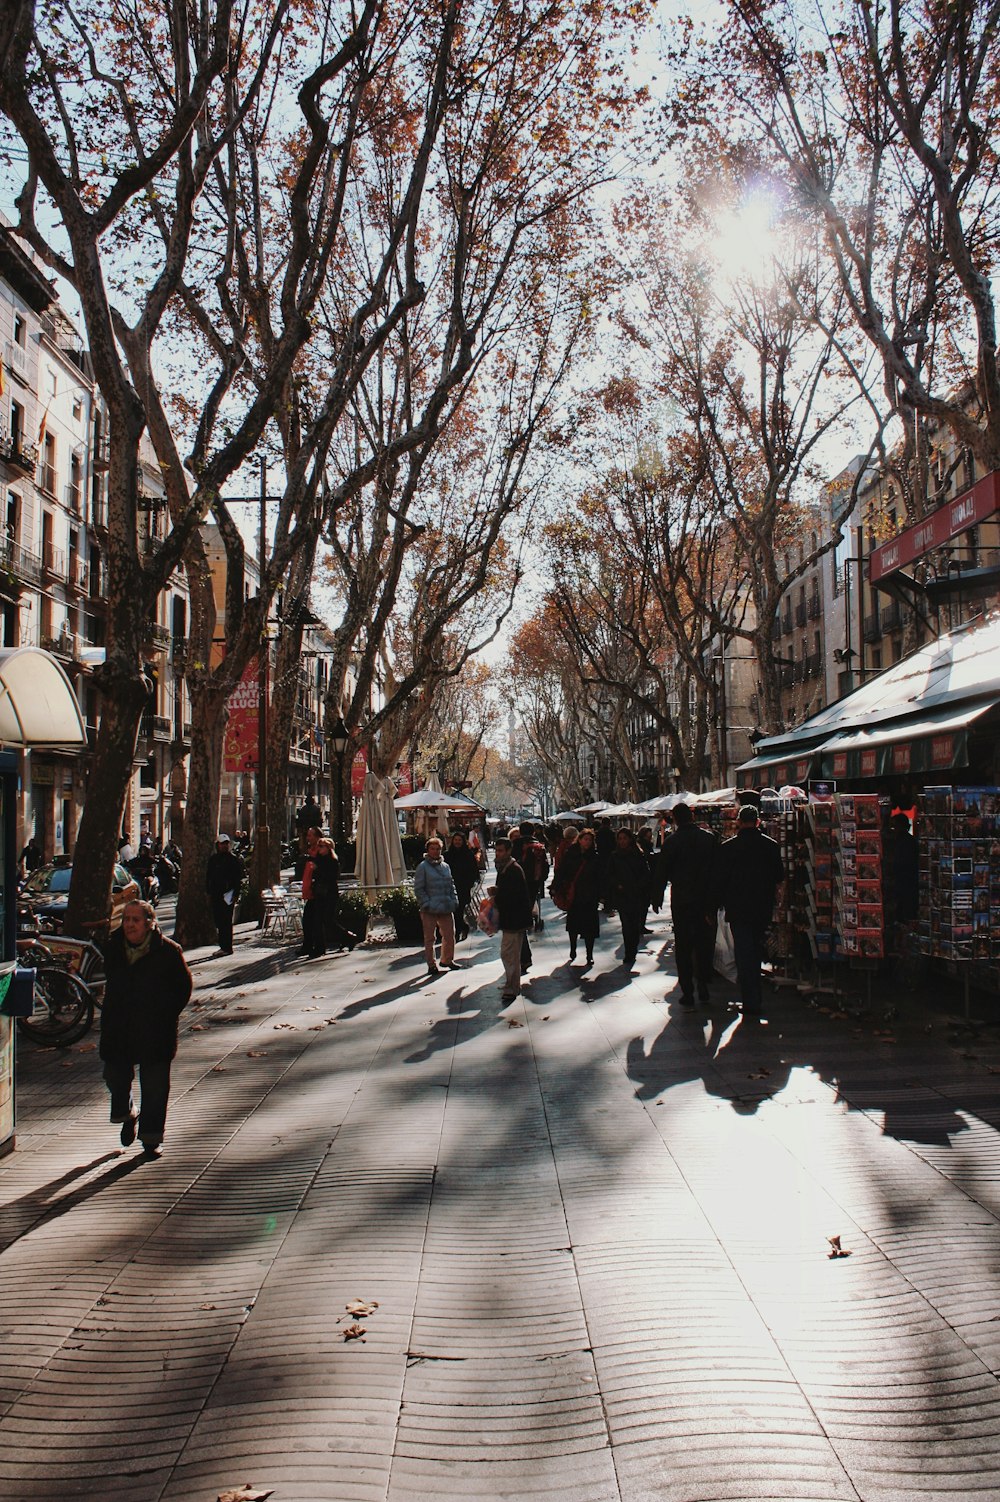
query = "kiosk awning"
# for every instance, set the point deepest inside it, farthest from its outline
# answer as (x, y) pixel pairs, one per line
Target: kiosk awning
(776, 771)
(38, 707)
(932, 742)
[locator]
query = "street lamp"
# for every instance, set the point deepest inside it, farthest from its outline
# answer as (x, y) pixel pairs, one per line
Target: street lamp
(339, 739)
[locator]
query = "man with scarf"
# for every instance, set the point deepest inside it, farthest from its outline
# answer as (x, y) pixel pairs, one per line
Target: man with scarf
(148, 986)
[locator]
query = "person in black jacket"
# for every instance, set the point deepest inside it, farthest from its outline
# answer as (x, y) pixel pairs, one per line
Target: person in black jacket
(627, 890)
(511, 897)
(687, 862)
(148, 986)
(465, 875)
(750, 872)
(581, 875)
(223, 876)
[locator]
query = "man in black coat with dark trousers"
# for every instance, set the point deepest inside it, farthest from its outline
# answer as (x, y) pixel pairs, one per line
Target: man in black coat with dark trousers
(688, 862)
(750, 872)
(148, 986)
(223, 877)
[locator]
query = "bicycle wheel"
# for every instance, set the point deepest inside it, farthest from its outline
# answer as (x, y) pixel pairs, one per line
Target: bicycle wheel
(64, 1009)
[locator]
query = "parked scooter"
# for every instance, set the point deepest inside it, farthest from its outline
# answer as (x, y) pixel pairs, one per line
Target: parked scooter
(168, 873)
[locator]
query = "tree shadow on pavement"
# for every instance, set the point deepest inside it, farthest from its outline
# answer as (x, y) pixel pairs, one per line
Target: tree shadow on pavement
(21, 1216)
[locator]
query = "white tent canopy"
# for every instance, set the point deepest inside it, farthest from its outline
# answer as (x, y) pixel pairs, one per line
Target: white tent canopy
(37, 704)
(428, 798)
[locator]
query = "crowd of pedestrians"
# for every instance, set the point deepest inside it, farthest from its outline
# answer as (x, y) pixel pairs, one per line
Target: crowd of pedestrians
(618, 874)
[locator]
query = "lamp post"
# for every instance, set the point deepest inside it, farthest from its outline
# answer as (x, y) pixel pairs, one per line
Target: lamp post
(339, 739)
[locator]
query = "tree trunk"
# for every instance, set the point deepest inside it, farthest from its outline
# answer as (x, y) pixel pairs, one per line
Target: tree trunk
(283, 696)
(100, 824)
(194, 924)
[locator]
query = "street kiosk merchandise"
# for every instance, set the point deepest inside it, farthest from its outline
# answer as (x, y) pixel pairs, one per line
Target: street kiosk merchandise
(8, 939)
(38, 708)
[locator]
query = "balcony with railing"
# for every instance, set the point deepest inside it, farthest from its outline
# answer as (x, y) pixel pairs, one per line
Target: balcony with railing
(53, 561)
(891, 616)
(18, 454)
(872, 628)
(158, 638)
(812, 665)
(800, 613)
(74, 499)
(77, 574)
(47, 478)
(100, 454)
(178, 653)
(18, 563)
(814, 608)
(162, 727)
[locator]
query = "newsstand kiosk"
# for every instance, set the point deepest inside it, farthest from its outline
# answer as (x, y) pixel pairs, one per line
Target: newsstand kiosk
(38, 708)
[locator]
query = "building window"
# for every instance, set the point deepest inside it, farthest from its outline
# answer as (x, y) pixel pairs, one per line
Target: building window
(53, 386)
(77, 409)
(20, 331)
(49, 464)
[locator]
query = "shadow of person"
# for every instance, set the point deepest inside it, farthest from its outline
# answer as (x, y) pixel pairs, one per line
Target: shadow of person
(469, 1013)
(20, 1216)
(751, 1064)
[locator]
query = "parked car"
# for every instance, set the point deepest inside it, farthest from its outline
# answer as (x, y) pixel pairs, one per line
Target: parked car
(46, 891)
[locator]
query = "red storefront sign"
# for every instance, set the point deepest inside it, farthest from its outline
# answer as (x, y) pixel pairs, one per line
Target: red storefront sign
(840, 764)
(239, 750)
(970, 508)
(869, 762)
(901, 757)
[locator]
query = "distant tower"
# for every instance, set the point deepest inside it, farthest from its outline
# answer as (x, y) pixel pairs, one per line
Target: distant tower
(511, 738)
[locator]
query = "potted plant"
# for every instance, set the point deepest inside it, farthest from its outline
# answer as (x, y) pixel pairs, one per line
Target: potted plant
(401, 905)
(354, 911)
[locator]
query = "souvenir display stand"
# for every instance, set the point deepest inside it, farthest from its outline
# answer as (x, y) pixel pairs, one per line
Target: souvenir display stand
(959, 854)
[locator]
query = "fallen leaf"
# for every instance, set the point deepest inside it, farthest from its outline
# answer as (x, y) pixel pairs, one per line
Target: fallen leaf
(208, 1306)
(218, 1069)
(256, 1053)
(243, 1494)
(197, 1027)
(355, 1332)
(86, 1048)
(310, 1009)
(289, 1025)
(761, 1074)
(242, 1009)
(836, 1250)
(513, 1022)
(318, 1027)
(546, 1017)
(66, 1064)
(360, 1308)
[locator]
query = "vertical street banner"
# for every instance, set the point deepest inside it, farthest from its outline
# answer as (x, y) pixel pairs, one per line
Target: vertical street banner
(239, 753)
(404, 778)
(359, 766)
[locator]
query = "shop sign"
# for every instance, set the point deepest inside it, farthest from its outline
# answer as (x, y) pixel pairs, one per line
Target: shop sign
(901, 757)
(42, 775)
(942, 751)
(966, 511)
(840, 764)
(359, 767)
(404, 778)
(869, 762)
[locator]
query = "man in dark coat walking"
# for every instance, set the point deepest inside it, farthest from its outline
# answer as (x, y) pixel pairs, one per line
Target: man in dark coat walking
(687, 862)
(750, 872)
(148, 986)
(223, 876)
(511, 897)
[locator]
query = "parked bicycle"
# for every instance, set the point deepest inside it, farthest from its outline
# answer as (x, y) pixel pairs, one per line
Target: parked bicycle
(69, 987)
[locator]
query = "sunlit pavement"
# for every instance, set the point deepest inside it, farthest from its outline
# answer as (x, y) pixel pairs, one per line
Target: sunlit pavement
(595, 1229)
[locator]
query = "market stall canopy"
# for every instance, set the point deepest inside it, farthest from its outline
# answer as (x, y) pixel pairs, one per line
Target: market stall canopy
(914, 717)
(593, 808)
(428, 798)
(717, 796)
(38, 707)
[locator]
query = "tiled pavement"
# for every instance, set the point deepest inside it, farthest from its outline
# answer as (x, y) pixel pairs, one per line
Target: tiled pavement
(595, 1228)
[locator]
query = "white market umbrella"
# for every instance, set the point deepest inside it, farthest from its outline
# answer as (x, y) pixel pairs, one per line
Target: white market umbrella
(396, 868)
(593, 808)
(568, 818)
(428, 798)
(619, 811)
(663, 804)
(372, 859)
(717, 796)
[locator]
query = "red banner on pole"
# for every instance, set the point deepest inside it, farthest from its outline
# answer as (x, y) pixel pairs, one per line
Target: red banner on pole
(404, 778)
(239, 753)
(359, 766)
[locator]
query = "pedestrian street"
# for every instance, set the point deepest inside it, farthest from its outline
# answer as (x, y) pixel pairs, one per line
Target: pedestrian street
(407, 1243)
